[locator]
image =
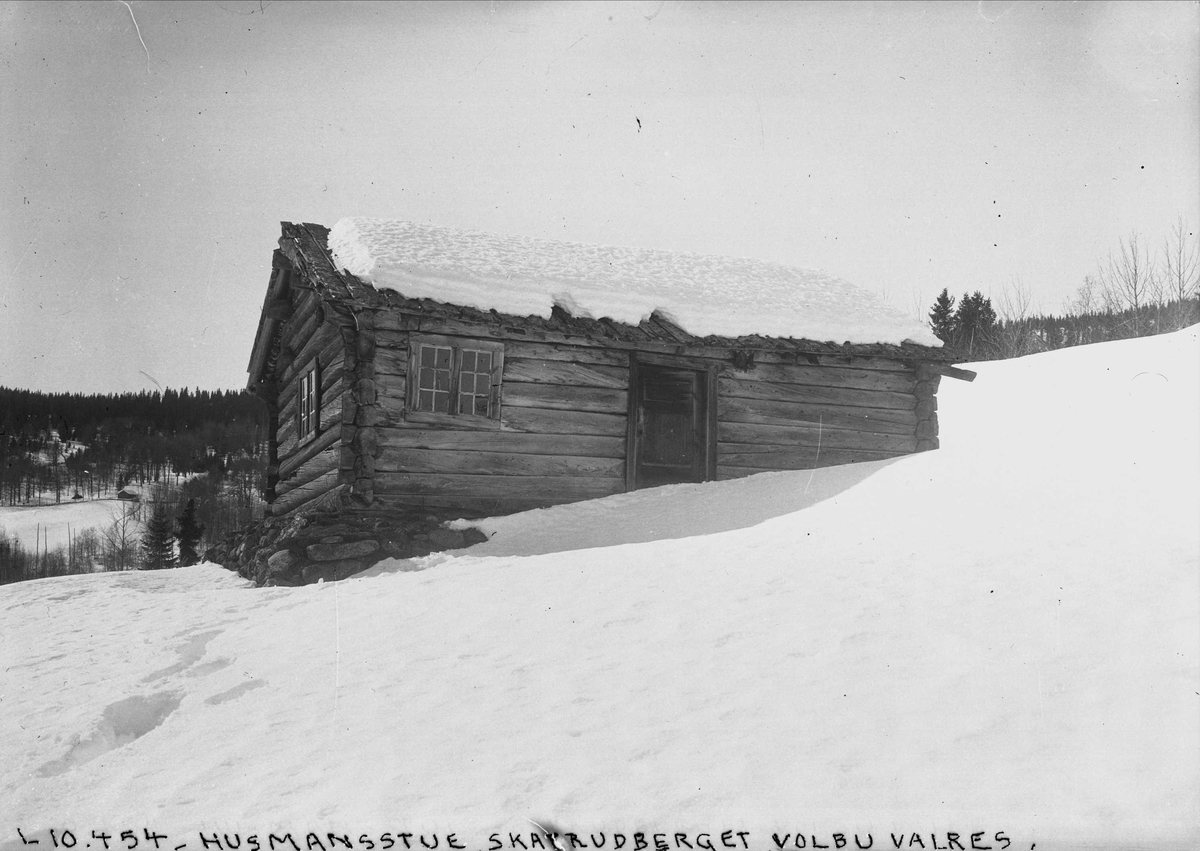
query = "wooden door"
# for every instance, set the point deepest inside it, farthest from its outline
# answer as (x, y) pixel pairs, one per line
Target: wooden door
(670, 426)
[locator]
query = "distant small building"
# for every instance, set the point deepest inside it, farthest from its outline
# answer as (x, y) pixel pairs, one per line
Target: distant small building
(78, 496)
(126, 493)
(408, 366)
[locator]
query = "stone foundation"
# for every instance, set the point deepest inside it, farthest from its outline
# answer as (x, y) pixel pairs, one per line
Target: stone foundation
(305, 548)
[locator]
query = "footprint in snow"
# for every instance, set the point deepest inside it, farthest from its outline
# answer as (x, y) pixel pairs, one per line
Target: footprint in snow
(190, 652)
(122, 722)
(234, 693)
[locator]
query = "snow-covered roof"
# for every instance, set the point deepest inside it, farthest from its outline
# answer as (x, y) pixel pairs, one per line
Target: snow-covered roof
(702, 294)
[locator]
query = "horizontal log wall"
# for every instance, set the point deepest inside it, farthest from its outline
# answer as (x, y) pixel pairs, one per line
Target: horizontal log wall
(797, 416)
(748, 459)
(330, 412)
(308, 469)
(318, 464)
(307, 494)
(564, 413)
(561, 437)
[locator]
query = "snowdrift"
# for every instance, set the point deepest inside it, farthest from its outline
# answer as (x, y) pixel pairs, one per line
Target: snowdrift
(993, 643)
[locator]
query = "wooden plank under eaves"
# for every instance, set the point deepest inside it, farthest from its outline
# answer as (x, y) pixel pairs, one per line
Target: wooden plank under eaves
(669, 330)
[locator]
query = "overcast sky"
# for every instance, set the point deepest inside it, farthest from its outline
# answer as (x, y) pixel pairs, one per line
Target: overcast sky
(150, 149)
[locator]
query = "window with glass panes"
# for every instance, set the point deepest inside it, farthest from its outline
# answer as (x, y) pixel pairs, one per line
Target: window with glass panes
(475, 383)
(455, 377)
(433, 379)
(308, 403)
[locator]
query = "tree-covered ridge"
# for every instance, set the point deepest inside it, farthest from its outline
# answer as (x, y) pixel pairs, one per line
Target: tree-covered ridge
(195, 453)
(66, 443)
(1136, 292)
(80, 416)
(975, 331)
(194, 457)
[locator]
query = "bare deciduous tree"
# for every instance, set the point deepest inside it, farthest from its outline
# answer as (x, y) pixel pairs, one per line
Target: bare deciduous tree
(119, 549)
(1015, 302)
(1181, 263)
(1017, 336)
(1087, 298)
(87, 548)
(1128, 280)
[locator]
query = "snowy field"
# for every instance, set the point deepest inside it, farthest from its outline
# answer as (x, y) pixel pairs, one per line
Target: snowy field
(990, 646)
(51, 523)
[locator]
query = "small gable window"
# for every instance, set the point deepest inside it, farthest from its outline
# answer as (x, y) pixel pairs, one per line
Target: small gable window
(308, 410)
(455, 377)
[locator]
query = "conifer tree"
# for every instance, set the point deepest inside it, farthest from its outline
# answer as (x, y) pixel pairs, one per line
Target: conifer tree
(974, 324)
(189, 535)
(941, 318)
(158, 542)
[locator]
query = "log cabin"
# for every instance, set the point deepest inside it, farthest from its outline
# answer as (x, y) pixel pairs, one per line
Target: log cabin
(415, 367)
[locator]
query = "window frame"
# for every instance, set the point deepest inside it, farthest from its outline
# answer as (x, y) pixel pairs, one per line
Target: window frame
(308, 403)
(453, 415)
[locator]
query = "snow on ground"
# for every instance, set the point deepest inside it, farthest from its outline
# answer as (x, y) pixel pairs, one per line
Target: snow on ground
(997, 638)
(703, 294)
(51, 523)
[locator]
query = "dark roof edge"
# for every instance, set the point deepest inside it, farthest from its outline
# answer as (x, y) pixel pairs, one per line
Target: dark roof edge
(264, 335)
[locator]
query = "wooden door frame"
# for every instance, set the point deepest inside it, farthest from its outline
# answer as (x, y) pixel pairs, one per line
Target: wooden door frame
(708, 371)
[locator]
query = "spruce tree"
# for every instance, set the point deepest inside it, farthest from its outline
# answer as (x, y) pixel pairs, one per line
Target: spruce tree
(189, 535)
(158, 542)
(975, 324)
(941, 318)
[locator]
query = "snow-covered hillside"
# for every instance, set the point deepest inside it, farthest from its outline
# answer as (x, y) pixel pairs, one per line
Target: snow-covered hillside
(53, 525)
(993, 645)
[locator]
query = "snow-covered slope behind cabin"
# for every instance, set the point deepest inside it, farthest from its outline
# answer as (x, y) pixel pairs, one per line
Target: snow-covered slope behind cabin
(54, 525)
(997, 637)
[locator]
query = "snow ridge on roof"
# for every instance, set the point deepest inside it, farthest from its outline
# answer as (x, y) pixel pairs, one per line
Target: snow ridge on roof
(703, 294)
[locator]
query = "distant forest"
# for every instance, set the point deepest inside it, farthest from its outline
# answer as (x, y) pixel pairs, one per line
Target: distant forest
(209, 447)
(974, 330)
(67, 443)
(1137, 291)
